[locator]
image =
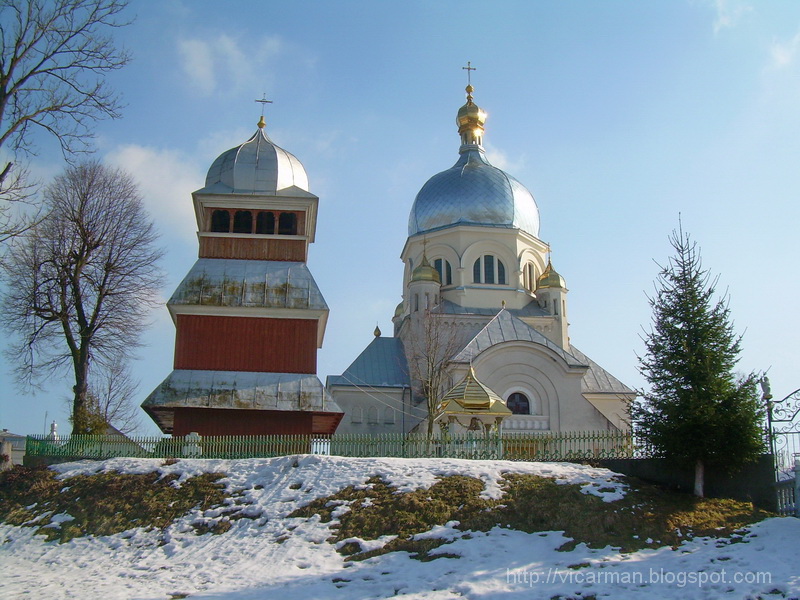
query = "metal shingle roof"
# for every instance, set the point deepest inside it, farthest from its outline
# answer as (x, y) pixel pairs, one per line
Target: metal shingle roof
(381, 364)
(258, 283)
(505, 327)
(241, 389)
(597, 379)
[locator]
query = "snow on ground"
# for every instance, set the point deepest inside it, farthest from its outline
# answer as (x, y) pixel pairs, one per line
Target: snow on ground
(250, 563)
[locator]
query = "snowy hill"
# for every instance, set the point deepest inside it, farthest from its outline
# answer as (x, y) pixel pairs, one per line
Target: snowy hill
(260, 552)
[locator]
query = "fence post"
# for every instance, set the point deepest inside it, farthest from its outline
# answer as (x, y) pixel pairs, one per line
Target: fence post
(797, 486)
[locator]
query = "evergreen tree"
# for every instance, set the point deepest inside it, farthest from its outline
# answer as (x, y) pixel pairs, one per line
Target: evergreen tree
(697, 412)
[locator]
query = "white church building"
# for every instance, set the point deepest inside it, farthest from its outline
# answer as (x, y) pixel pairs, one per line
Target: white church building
(481, 300)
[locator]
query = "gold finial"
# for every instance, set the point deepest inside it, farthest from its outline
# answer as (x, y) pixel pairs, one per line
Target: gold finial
(377, 332)
(503, 303)
(262, 102)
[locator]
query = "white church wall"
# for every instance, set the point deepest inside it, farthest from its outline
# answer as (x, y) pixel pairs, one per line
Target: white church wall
(375, 410)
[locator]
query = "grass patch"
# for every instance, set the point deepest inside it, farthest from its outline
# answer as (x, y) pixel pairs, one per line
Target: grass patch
(648, 516)
(105, 503)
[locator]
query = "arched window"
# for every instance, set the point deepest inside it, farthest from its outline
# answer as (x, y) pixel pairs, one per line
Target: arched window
(356, 415)
(243, 221)
(519, 404)
(372, 415)
(530, 277)
(220, 221)
(265, 223)
(488, 269)
(287, 224)
(388, 415)
(445, 271)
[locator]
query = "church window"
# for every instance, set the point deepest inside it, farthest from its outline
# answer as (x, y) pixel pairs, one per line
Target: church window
(388, 415)
(488, 269)
(519, 404)
(372, 415)
(445, 271)
(243, 221)
(265, 223)
(220, 221)
(356, 415)
(287, 224)
(416, 302)
(530, 277)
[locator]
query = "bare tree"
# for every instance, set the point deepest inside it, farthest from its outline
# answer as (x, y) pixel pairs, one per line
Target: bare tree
(432, 342)
(54, 55)
(111, 398)
(80, 283)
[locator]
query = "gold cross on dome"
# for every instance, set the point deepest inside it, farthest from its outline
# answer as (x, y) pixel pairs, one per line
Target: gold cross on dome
(469, 68)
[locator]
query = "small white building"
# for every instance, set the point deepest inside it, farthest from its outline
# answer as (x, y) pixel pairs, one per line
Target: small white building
(479, 292)
(16, 443)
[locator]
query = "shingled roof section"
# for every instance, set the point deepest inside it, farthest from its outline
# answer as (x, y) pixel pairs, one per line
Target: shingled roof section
(597, 380)
(505, 327)
(381, 364)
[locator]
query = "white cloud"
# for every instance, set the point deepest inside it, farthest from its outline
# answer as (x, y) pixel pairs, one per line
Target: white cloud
(197, 63)
(728, 13)
(500, 159)
(784, 53)
(166, 180)
(227, 62)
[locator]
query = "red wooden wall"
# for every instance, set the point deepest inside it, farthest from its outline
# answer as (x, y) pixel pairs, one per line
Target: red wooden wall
(220, 421)
(252, 248)
(217, 343)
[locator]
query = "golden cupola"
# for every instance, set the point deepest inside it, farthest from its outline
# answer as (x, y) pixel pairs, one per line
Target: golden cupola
(425, 272)
(470, 120)
(550, 279)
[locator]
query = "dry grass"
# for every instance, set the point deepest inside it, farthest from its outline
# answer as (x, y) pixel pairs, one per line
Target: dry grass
(105, 503)
(648, 516)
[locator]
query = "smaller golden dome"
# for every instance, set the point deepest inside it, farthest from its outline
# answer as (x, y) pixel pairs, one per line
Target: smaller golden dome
(425, 272)
(398, 312)
(377, 332)
(550, 279)
(470, 396)
(470, 120)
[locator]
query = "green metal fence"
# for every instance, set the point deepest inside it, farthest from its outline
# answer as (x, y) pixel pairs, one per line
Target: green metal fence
(561, 446)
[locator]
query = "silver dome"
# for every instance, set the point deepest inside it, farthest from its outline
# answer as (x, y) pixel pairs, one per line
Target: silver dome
(257, 166)
(473, 192)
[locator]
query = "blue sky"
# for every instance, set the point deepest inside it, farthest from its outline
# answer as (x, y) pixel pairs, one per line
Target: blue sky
(618, 116)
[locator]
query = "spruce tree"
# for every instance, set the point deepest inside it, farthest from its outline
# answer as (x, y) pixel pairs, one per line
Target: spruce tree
(697, 412)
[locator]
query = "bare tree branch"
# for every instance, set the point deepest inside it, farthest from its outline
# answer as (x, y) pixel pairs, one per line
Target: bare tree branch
(54, 56)
(433, 342)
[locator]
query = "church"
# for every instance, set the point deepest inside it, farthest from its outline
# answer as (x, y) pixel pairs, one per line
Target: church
(482, 328)
(481, 336)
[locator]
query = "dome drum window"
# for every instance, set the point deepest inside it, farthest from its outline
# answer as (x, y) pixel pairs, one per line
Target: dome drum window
(489, 269)
(445, 271)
